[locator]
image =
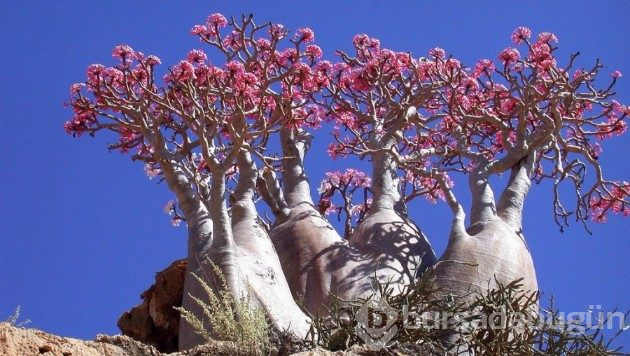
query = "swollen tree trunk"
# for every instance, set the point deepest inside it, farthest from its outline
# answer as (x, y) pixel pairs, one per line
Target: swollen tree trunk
(399, 252)
(493, 248)
(200, 230)
(491, 251)
(309, 248)
(245, 255)
(262, 276)
(221, 250)
(318, 262)
(486, 253)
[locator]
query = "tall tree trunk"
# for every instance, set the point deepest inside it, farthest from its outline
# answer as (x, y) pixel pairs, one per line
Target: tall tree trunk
(486, 253)
(318, 262)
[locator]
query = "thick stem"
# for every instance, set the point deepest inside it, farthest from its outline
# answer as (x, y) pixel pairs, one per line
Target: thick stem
(272, 194)
(384, 182)
(483, 205)
(200, 233)
(264, 280)
(197, 216)
(296, 187)
(243, 207)
(223, 249)
(385, 168)
(511, 202)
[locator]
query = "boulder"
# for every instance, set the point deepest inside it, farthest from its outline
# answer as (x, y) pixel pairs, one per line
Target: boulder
(155, 321)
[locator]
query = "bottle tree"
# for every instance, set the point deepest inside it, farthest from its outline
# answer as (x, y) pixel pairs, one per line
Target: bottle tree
(225, 137)
(527, 116)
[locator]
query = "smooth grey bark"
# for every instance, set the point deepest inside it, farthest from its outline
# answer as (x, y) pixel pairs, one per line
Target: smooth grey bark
(242, 250)
(221, 251)
(482, 205)
(307, 245)
(511, 202)
(492, 249)
(199, 224)
(262, 276)
(488, 252)
(399, 251)
(296, 187)
(318, 262)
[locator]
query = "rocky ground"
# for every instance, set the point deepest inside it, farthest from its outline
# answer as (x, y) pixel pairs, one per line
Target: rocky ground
(149, 329)
(16, 341)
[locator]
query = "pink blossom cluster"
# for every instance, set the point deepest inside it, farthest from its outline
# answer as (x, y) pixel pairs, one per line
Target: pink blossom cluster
(211, 28)
(344, 183)
(304, 35)
(521, 34)
(483, 112)
(612, 199)
(350, 177)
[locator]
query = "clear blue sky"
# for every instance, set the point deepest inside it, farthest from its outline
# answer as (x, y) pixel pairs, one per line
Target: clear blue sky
(82, 230)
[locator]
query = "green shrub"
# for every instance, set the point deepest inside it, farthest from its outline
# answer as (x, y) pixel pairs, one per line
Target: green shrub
(546, 332)
(14, 319)
(229, 318)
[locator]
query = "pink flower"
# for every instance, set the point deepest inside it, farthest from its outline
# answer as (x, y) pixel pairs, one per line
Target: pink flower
(278, 31)
(540, 54)
(203, 31)
(217, 20)
(616, 74)
(233, 41)
(437, 52)
(323, 67)
(289, 55)
(153, 60)
(509, 55)
(547, 37)
(483, 66)
(521, 34)
(123, 52)
(198, 30)
(76, 88)
(365, 41)
(235, 68)
(263, 44)
(94, 73)
(335, 151)
(351, 177)
(313, 51)
(452, 64)
(426, 69)
(153, 171)
(196, 56)
(304, 34)
(183, 71)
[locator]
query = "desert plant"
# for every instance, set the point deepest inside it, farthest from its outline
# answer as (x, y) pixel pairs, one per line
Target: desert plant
(223, 135)
(228, 318)
(499, 321)
(14, 319)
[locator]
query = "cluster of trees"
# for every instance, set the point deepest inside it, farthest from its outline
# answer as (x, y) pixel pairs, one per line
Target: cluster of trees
(227, 138)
